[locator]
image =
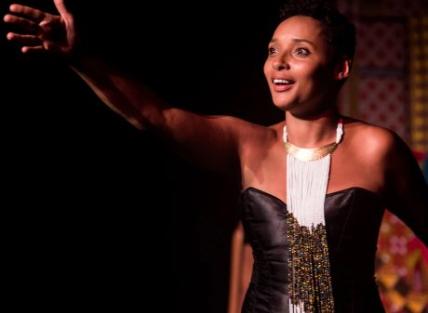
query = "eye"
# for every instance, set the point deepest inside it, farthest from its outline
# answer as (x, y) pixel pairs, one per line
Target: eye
(303, 52)
(272, 50)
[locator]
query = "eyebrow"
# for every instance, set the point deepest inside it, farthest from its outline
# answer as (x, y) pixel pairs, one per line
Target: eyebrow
(297, 40)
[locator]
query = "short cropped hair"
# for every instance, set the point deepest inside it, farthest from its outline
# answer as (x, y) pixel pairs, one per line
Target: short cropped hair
(340, 32)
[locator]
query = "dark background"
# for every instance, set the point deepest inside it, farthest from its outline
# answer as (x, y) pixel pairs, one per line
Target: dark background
(98, 214)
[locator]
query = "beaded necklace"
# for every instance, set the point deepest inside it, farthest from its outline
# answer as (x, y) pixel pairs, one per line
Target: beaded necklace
(309, 280)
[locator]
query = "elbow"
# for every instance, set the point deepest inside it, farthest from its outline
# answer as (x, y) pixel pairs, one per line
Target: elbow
(152, 118)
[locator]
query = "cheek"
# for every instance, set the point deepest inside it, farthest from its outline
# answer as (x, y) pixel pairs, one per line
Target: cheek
(304, 71)
(312, 83)
(323, 78)
(311, 76)
(266, 70)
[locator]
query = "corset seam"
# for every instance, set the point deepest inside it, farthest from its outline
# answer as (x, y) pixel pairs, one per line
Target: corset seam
(260, 267)
(345, 225)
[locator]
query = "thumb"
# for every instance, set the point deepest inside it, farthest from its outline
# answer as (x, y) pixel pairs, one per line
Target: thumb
(62, 8)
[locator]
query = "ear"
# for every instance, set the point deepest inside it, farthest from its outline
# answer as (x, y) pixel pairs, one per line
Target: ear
(342, 69)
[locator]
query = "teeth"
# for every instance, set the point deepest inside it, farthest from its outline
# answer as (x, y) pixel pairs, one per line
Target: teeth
(282, 81)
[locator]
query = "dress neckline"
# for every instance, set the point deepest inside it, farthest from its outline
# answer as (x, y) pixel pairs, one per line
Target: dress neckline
(330, 194)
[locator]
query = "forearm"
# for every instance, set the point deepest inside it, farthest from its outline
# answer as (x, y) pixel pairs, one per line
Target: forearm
(125, 96)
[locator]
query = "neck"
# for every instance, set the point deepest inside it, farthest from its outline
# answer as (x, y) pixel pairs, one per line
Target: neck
(314, 131)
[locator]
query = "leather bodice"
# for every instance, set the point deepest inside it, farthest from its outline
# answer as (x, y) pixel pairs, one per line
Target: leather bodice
(353, 218)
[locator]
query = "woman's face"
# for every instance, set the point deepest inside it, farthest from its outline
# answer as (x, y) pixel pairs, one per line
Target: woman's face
(297, 68)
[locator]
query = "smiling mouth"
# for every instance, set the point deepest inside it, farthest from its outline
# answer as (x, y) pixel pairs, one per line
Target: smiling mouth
(281, 85)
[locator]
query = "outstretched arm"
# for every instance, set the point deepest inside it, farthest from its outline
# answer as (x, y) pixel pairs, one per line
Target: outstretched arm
(213, 141)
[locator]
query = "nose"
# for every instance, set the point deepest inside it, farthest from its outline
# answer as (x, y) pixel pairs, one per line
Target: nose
(281, 64)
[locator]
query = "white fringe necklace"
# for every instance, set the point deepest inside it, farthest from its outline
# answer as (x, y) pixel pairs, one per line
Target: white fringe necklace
(309, 281)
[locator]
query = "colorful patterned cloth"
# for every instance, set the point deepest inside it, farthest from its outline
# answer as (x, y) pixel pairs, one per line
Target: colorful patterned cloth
(389, 87)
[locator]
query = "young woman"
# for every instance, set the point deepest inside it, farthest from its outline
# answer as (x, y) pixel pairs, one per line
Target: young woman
(314, 186)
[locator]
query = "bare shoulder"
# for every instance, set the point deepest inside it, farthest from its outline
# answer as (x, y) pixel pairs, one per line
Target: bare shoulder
(375, 153)
(373, 142)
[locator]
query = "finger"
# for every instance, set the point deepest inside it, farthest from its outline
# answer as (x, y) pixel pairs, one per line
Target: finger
(28, 12)
(28, 49)
(51, 47)
(24, 23)
(27, 40)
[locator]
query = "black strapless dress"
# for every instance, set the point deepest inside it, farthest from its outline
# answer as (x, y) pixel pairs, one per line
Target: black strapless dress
(353, 217)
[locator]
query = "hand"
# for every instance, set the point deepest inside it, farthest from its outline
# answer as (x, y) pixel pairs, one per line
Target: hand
(40, 31)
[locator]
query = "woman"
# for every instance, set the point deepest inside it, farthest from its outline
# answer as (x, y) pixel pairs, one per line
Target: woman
(314, 186)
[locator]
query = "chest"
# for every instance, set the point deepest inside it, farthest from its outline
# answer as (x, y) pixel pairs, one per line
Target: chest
(267, 170)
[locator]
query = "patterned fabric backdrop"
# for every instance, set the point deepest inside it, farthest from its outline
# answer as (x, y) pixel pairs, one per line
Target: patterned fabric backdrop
(419, 83)
(382, 89)
(389, 87)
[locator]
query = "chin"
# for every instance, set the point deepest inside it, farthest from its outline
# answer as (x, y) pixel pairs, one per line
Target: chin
(284, 105)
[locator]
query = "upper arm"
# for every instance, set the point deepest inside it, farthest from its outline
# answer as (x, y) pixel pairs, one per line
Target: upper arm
(406, 189)
(211, 141)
